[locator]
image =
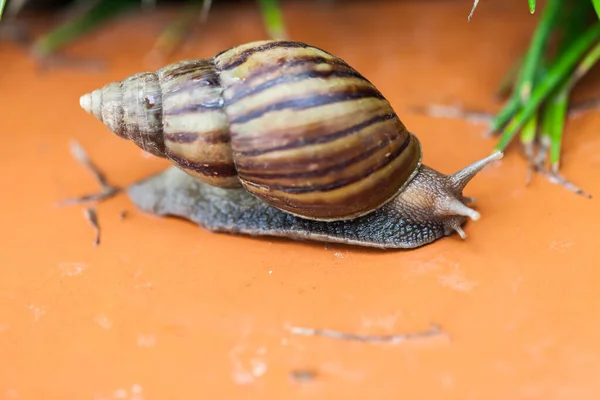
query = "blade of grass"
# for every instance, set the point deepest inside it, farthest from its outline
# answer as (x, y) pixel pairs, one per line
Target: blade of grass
(531, 6)
(176, 30)
(148, 4)
(533, 56)
(528, 134)
(537, 48)
(506, 113)
(571, 23)
(508, 81)
(555, 117)
(545, 134)
(559, 111)
(596, 4)
(531, 127)
(74, 28)
(561, 104)
(2, 4)
(272, 16)
(206, 5)
(550, 110)
(590, 59)
(557, 73)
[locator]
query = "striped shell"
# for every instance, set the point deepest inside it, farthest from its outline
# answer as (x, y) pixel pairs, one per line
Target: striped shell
(293, 124)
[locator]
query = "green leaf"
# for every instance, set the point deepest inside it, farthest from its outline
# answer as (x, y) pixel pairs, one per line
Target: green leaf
(537, 47)
(559, 112)
(529, 130)
(175, 32)
(2, 4)
(558, 72)
(530, 65)
(596, 4)
(75, 27)
(590, 59)
(531, 6)
(273, 18)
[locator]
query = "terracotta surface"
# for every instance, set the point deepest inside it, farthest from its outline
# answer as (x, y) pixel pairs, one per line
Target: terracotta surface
(165, 310)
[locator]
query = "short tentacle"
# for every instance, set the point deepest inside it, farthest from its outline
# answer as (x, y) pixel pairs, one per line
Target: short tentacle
(453, 206)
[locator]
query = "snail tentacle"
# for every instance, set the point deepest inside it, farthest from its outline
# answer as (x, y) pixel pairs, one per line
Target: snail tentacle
(432, 196)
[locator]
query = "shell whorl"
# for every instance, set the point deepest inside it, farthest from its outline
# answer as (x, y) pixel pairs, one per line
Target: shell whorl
(132, 109)
(294, 125)
(175, 113)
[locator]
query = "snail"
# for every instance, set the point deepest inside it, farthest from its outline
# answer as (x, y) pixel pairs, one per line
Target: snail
(282, 138)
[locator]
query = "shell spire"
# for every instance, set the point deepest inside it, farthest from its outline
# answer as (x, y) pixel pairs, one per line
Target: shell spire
(132, 109)
(86, 103)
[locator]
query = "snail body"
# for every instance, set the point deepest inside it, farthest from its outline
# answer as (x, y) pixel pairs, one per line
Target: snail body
(291, 125)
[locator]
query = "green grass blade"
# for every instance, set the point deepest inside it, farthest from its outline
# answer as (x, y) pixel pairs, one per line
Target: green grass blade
(560, 104)
(559, 112)
(177, 30)
(596, 4)
(2, 4)
(75, 27)
(557, 73)
(505, 114)
(273, 18)
(590, 59)
(555, 109)
(531, 6)
(545, 132)
(508, 81)
(527, 141)
(529, 130)
(537, 47)
(530, 65)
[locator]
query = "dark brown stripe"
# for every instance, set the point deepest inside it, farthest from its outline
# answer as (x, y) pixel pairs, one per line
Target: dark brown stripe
(215, 170)
(312, 100)
(186, 68)
(324, 138)
(213, 137)
(344, 182)
(205, 78)
(292, 62)
(181, 137)
(244, 55)
(285, 78)
(332, 169)
(196, 107)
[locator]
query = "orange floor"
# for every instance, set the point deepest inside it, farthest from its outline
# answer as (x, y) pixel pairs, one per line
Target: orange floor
(165, 310)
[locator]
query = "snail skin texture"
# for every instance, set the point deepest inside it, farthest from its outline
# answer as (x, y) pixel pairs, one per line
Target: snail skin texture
(281, 138)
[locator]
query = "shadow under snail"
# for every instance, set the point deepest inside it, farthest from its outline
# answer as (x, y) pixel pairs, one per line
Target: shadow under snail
(280, 138)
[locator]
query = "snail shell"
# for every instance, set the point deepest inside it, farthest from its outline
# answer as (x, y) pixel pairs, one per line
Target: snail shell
(297, 128)
(292, 124)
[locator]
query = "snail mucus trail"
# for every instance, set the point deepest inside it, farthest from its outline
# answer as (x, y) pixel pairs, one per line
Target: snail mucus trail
(284, 139)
